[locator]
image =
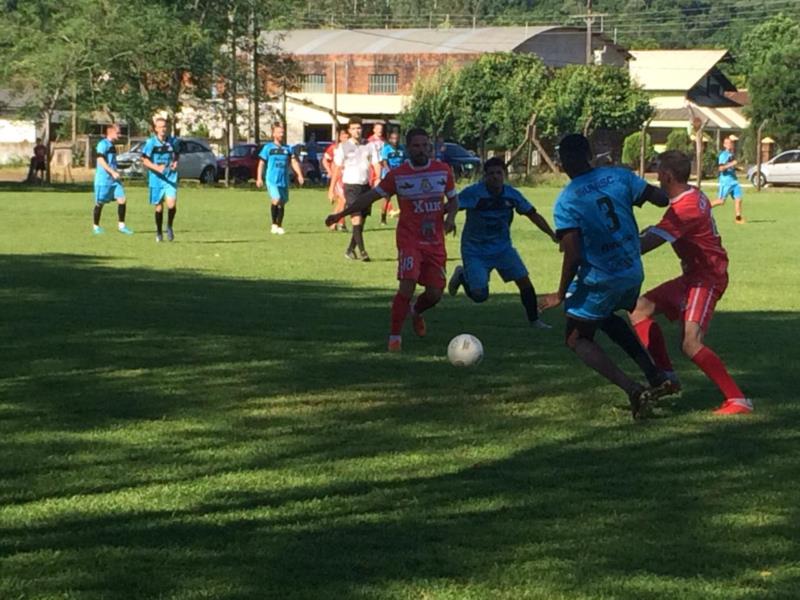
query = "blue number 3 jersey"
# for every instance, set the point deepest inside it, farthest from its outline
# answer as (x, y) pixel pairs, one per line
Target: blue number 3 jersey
(600, 205)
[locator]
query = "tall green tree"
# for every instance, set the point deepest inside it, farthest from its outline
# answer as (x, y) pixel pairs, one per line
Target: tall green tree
(775, 94)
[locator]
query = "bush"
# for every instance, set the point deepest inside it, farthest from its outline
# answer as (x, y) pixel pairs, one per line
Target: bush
(631, 149)
(678, 139)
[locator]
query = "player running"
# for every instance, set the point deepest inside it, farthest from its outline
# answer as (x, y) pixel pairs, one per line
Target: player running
(107, 184)
(338, 188)
(690, 298)
(160, 158)
(602, 267)
(486, 239)
(421, 185)
(392, 155)
(728, 184)
(278, 159)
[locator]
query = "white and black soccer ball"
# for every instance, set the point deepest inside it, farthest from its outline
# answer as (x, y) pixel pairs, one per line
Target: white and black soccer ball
(465, 350)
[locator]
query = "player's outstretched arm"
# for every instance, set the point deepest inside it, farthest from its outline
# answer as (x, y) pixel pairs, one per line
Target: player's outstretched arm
(362, 203)
(571, 246)
(542, 224)
(650, 240)
(653, 195)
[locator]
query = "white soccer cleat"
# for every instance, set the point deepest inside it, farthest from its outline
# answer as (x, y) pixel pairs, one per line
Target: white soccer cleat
(274, 228)
(280, 230)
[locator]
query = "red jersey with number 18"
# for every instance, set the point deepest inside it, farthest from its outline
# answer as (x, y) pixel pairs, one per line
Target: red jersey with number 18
(421, 193)
(689, 226)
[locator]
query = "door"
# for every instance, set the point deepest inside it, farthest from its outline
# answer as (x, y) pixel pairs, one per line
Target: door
(189, 161)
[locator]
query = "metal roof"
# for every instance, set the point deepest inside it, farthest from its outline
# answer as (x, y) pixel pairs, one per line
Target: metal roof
(673, 70)
(407, 41)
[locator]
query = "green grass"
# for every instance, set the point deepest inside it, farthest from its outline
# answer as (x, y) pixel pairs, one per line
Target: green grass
(217, 418)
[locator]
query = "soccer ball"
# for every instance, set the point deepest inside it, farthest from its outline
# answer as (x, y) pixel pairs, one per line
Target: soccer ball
(465, 350)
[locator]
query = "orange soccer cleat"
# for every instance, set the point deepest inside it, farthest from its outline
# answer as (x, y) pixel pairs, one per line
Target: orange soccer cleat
(735, 406)
(418, 323)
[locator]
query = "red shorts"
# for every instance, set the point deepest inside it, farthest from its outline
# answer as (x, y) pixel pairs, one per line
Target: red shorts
(424, 264)
(689, 301)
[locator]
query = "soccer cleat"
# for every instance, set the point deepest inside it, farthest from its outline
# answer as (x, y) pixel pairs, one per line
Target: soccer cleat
(539, 324)
(159, 238)
(280, 230)
(98, 230)
(640, 403)
(274, 228)
(735, 406)
(455, 280)
(365, 257)
(170, 234)
(418, 323)
(350, 255)
(740, 220)
(342, 228)
(395, 343)
(124, 230)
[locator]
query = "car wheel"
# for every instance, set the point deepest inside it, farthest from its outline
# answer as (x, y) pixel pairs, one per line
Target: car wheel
(759, 180)
(208, 175)
(241, 175)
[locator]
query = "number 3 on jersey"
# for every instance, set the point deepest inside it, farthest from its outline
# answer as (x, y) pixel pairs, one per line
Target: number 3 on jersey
(607, 207)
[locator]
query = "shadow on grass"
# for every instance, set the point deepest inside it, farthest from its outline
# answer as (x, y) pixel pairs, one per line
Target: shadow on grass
(172, 434)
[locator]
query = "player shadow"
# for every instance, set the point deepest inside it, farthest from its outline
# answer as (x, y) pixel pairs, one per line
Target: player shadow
(61, 188)
(166, 431)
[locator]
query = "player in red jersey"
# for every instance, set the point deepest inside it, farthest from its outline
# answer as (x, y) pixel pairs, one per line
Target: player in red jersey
(690, 298)
(327, 164)
(421, 186)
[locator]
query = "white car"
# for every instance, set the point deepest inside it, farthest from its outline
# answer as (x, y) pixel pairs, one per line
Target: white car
(783, 168)
(195, 160)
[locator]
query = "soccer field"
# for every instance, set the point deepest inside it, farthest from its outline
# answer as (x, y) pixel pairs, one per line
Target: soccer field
(218, 418)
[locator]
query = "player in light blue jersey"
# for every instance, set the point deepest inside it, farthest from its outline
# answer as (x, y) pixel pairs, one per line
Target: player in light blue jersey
(728, 183)
(486, 239)
(278, 159)
(391, 156)
(107, 184)
(602, 266)
(160, 158)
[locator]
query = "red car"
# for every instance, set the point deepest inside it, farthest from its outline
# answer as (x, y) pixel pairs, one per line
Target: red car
(244, 162)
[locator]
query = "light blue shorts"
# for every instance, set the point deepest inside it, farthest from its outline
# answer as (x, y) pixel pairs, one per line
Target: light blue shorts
(478, 267)
(163, 187)
(278, 192)
(109, 192)
(729, 188)
(595, 303)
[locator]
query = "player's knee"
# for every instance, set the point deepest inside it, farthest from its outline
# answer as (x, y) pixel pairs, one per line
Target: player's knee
(479, 295)
(435, 294)
(691, 346)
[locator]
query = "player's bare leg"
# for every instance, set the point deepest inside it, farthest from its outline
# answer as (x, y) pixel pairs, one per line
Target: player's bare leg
(711, 364)
(623, 336)
(580, 339)
(716, 202)
(737, 207)
(401, 305)
(426, 300)
(527, 295)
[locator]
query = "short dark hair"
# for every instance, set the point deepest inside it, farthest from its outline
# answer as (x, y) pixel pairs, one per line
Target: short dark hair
(676, 163)
(355, 121)
(574, 149)
(278, 124)
(495, 161)
(414, 132)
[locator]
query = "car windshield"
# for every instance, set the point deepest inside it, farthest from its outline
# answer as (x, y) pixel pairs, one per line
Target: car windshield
(239, 151)
(456, 150)
(137, 147)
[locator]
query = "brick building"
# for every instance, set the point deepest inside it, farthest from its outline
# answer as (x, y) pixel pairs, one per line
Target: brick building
(370, 72)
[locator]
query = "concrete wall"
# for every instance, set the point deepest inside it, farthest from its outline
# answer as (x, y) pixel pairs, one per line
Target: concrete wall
(17, 139)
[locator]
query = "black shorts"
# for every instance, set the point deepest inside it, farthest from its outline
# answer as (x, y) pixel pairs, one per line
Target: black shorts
(351, 193)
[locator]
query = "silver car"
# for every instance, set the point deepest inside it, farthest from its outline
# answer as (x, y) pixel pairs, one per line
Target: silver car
(783, 168)
(195, 160)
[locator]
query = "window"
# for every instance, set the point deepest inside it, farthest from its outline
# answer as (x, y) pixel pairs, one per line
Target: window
(786, 158)
(383, 83)
(314, 83)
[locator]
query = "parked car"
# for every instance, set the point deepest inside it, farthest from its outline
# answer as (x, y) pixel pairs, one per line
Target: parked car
(195, 160)
(783, 168)
(463, 162)
(311, 169)
(244, 162)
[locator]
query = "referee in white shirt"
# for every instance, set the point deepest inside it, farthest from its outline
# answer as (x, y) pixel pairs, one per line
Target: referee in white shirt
(353, 160)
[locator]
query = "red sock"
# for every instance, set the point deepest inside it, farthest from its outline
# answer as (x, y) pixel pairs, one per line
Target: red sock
(652, 338)
(400, 308)
(423, 303)
(714, 368)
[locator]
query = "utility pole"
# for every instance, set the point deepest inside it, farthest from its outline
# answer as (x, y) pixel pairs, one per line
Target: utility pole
(255, 33)
(589, 18)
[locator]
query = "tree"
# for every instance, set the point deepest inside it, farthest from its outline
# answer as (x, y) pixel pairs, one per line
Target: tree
(582, 97)
(631, 149)
(778, 32)
(678, 139)
(775, 94)
(433, 103)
